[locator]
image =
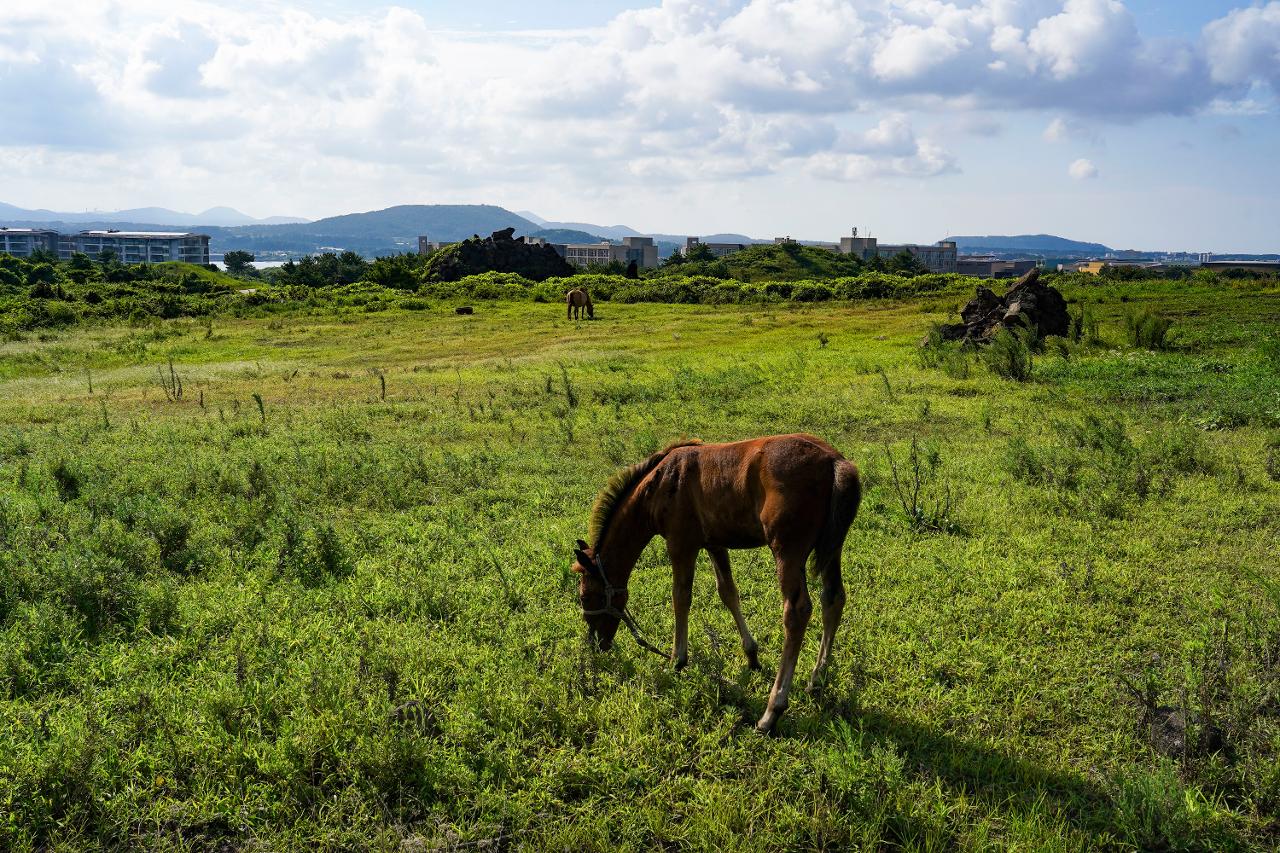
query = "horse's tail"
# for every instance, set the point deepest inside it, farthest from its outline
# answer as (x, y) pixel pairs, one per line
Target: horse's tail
(846, 495)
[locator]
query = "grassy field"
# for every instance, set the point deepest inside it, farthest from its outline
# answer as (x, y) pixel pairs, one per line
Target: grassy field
(302, 582)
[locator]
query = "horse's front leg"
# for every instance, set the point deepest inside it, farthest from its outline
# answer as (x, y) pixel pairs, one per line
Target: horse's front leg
(796, 610)
(683, 561)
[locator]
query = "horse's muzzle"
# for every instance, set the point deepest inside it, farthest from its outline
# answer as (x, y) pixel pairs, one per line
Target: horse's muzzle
(600, 642)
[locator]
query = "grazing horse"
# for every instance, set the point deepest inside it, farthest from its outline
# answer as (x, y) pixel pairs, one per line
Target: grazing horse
(576, 300)
(794, 493)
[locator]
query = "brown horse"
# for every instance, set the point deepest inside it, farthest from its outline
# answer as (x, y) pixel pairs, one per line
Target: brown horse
(576, 300)
(793, 493)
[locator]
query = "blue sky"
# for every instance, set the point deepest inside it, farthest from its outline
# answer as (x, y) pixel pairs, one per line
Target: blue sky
(1145, 123)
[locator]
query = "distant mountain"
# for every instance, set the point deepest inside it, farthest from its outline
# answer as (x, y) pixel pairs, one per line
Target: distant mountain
(566, 235)
(532, 217)
(216, 216)
(613, 232)
(376, 232)
(1035, 243)
(438, 221)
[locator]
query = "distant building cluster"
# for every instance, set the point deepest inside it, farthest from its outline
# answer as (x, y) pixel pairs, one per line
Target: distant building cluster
(642, 250)
(131, 247)
(1205, 261)
(989, 266)
(718, 250)
(938, 257)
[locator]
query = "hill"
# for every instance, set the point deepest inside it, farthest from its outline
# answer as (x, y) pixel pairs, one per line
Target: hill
(375, 232)
(776, 262)
(612, 232)
(566, 235)
(1035, 243)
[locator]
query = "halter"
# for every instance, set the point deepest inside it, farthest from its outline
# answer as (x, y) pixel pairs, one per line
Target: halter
(623, 615)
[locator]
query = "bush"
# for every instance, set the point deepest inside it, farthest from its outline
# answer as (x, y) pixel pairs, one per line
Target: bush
(1008, 355)
(1147, 330)
(953, 359)
(811, 292)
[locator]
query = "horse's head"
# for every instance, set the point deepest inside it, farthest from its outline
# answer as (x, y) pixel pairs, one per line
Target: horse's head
(602, 603)
(591, 311)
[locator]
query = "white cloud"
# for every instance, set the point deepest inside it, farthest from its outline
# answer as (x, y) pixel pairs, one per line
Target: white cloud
(1062, 129)
(1244, 46)
(689, 89)
(1082, 170)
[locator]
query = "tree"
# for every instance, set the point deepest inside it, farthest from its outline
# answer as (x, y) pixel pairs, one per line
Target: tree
(239, 262)
(905, 263)
(402, 272)
(41, 273)
(699, 252)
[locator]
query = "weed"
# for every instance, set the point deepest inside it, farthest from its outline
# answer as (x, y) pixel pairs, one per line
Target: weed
(1147, 330)
(926, 500)
(1271, 461)
(1008, 355)
(884, 380)
(953, 359)
(170, 383)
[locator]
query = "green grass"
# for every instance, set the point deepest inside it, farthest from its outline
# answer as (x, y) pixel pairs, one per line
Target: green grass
(320, 619)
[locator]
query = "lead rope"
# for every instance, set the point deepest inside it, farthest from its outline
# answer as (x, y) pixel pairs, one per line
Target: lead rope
(624, 615)
(630, 622)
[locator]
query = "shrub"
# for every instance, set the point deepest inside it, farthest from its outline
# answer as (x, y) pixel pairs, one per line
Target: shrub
(953, 359)
(1008, 355)
(1147, 330)
(811, 292)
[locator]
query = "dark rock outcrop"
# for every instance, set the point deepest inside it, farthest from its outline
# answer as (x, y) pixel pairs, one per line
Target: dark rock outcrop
(499, 252)
(1029, 302)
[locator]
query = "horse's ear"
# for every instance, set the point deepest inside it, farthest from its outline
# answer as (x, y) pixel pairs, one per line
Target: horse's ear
(582, 545)
(583, 560)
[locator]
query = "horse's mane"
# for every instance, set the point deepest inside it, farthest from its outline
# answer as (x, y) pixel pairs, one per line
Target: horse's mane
(620, 485)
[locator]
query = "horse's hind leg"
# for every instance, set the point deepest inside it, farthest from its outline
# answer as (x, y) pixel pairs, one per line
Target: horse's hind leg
(832, 609)
(796, 610)
(729, 595)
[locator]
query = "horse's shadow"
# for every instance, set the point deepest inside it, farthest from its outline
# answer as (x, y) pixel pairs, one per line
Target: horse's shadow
(1094, 813)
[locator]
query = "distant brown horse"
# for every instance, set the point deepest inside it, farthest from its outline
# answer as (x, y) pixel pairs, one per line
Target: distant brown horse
(793, 493)
(576, 300)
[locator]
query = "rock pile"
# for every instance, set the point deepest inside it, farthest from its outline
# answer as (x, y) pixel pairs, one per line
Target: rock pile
(499, 252)
(1029, 302)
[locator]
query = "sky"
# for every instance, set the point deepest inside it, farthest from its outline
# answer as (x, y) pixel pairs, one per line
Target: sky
(1147, 124)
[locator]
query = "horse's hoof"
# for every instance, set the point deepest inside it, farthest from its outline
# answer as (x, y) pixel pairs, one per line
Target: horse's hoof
(753, 660)
(766, 728)
(680, 664)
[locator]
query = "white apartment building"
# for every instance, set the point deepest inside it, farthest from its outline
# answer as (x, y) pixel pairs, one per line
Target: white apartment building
(139, 247)
(22, 242)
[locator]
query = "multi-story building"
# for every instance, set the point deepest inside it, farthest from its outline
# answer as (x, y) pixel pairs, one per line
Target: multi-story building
(639, 249)
(426, 245)
(940, 257)
(988, 266)
(22, 242)
(719, 250)
(138, 247)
